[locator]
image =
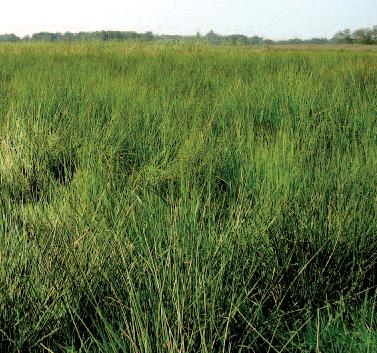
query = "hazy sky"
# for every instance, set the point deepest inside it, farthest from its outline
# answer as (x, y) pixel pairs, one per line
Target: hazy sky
(269, 18)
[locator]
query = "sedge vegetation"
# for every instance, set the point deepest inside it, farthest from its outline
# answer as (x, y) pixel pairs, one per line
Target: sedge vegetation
(187, 198)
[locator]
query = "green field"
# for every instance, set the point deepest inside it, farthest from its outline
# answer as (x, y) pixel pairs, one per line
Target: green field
(187, 198)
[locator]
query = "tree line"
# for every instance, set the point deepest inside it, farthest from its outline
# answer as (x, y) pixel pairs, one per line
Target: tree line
(359, 36)
(346, 36)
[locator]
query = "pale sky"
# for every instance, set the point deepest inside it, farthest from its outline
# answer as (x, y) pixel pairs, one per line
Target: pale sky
(275, 19)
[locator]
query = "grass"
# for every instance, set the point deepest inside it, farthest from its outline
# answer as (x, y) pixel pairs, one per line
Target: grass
(187, 199)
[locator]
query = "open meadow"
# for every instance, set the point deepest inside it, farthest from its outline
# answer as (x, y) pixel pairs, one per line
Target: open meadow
(187, 198)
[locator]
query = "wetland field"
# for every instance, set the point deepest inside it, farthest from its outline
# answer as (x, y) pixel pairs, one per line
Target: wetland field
(187, 198)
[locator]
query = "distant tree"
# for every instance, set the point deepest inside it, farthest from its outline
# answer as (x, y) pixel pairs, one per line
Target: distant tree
(111, 35)
(213, 38)
(363, 36)
(295, 41)
(268, 41)
(9, 37)
(82, 36)
(238, 39)
(343, 37)
(68, 36)
(374, 34)
(319, 41)
(148, 36)
(46, 36)
(255, 40)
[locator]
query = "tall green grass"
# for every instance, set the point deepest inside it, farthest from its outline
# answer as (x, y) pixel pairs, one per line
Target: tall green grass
(187, 199)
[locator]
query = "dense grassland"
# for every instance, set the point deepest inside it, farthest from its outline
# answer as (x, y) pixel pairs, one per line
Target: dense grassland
(187, 199)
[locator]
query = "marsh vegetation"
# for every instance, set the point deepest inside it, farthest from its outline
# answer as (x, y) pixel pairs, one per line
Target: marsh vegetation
(187, 198)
